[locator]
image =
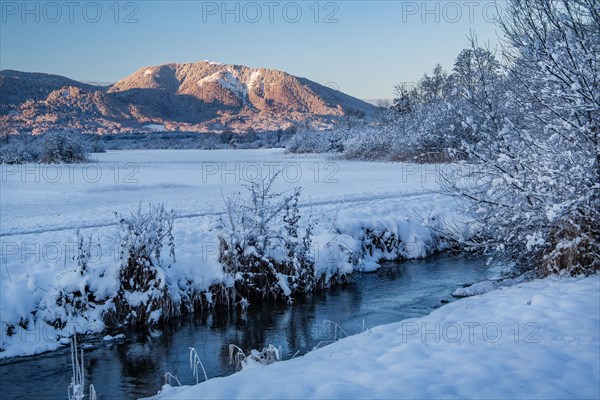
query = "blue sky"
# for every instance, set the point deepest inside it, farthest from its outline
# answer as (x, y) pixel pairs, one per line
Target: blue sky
(363, 47)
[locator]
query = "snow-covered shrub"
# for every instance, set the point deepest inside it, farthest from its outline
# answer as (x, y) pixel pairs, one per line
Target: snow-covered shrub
(50, 148)
(62, 147)
(370, 142)
(310, 141)
(380, 242)
(19, 149)
(263, 247)
(75, 296)
(84, 252)
(433, 134)
(268, 355)
(143, 295)
(96, 144)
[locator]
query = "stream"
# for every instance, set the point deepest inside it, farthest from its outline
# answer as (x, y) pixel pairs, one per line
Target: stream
(135, 366)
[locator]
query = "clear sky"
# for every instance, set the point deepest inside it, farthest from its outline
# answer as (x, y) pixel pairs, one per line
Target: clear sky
(362, 47)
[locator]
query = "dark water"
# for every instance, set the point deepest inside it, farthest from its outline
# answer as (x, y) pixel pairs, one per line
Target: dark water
(135, 366)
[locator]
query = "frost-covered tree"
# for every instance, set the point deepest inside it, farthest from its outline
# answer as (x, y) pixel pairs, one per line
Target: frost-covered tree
(435, 87)
(405, 98)
(535, 183)
(474, 70)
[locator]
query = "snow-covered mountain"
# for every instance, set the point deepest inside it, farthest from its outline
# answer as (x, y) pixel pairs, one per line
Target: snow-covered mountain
(201, 96)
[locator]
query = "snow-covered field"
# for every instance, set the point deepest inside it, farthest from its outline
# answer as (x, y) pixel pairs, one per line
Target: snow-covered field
(43, 206)
(535, 340)
(42, 198)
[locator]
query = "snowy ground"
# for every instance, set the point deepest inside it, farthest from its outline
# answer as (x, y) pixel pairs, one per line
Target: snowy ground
(42, 198)
(536, 340)
(42, 207)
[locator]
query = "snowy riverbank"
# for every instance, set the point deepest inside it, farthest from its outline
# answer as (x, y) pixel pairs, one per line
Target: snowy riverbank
(539, 339)
(366, 212)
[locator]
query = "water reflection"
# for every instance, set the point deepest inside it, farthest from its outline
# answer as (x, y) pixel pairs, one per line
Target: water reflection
(136, 366)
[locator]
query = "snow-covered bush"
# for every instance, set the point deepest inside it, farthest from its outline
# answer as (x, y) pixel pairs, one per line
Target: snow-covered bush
(143, 295)
(96, 144)
(62, 147)
(268, 355)
(75, 296)
(263, 248)
(375, 142)
(18, 149)
(310, 141)
(434, 134)
(49, 148)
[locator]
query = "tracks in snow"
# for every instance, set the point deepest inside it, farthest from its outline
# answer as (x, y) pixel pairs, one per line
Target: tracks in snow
(354, 201)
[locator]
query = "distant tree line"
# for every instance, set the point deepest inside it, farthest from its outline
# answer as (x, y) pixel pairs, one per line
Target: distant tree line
(73, 147)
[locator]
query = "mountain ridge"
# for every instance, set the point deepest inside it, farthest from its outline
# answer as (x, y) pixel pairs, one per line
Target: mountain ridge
(199, 96)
